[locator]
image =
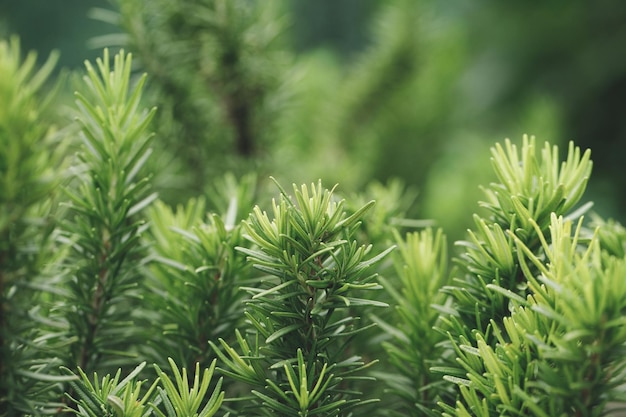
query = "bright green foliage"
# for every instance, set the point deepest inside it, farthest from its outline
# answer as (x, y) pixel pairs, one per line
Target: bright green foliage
(529, 190)
(181, 401)
(537, 325)
(109, 396)
(126, 398)
(25, 164)
(533, 187)
(561, 350)
(196, 274)
(422, 267)
(394, 201)
(104, 226)
(581, 293)
(390, 214)
(612, 236)
(297, 359)
(29, 164)
(528, 322)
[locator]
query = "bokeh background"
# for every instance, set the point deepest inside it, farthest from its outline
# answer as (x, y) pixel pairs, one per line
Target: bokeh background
(355, 91)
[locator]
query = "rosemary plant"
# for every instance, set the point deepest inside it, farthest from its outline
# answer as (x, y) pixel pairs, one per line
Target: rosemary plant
(529, 321)
(530, 190)
(545, 338)
(196, 273)
(107, 252)
(105, 223)
(538, 327)
(414, 345)
(163, 398)
(30, 158)
(561, 350)
(295, 355)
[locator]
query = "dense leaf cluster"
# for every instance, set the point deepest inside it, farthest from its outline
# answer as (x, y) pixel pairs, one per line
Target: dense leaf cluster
(288, 305)
(299, 359)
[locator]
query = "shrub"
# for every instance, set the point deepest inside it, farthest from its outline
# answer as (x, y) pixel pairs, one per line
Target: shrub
(312, 304)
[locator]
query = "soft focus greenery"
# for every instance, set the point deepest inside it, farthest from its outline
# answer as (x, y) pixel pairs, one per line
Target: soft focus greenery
(153, 262)
(416, 90)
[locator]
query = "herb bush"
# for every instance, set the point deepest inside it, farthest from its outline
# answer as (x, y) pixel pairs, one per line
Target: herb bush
(250, 300)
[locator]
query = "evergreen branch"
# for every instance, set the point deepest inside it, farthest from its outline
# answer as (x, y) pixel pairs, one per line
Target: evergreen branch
(105, 230)
(301, 313)
(29, 161)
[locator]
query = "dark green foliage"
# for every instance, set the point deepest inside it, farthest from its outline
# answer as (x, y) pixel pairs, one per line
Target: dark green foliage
(217, 67)
(104, 224)
(296, 357)
(549, 342)
(568, 43)
(288, 305)
(196, 275)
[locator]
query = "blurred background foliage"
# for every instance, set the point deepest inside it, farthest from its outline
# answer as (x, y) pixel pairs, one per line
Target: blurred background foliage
(357, 91)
